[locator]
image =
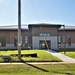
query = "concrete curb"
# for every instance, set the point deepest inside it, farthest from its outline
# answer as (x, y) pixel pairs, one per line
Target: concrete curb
(44, 63)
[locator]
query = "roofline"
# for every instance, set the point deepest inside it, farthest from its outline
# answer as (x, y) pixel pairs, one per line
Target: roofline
(13, 25)
(66, 29)
(43, 24)
(10, 27)
(13, 29)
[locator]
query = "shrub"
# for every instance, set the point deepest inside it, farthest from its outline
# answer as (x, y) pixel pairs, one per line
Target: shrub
(6, 58)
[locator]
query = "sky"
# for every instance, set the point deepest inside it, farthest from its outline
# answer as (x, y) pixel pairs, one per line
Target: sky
(38, 11)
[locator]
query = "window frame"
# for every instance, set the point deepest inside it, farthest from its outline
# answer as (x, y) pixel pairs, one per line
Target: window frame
(16, 43)
(59, 40)
(2, 41)
(69, 40)
(44, 34)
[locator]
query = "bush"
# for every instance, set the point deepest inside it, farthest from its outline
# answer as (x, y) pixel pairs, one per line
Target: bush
(6, 58)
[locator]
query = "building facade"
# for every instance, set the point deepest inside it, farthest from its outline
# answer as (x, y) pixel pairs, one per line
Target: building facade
(38, 36)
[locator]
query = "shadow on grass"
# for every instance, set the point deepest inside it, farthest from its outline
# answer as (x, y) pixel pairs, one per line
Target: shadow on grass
(53, 71)
(34, 66)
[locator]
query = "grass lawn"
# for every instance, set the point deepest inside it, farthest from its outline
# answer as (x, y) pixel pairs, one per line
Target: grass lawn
(42, 55)
(26, 69)
(69, 53)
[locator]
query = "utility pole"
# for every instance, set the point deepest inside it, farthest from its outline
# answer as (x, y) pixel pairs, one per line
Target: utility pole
(19, 29)
(64, 39)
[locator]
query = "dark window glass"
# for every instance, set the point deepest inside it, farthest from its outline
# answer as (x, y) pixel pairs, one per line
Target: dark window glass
(16, 41)
(59, 41)
(64, 39)
(26, 39)
(69, 40)
(2, 41)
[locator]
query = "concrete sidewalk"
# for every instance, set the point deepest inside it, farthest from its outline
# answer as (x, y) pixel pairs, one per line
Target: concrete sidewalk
(64, 58)
(40, 63)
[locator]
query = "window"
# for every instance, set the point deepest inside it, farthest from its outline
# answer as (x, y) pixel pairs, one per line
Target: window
(59, 40)
(41, 34)
(48, 34)
(69, 40)
(16, 41)
(45, 34)
(3, 41)
(26, 42)
(64, 39)
(26, 39)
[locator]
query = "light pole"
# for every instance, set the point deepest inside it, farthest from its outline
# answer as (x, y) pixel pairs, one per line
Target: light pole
(64, 38)
(19, 29)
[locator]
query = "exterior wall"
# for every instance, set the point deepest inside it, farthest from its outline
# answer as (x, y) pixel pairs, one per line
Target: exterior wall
(33, 36)
(10, 34)
(5, 33)
(44, 29)
(36, 39)
(11, 46)
(68, 33)
(35, 30)
(72, 45)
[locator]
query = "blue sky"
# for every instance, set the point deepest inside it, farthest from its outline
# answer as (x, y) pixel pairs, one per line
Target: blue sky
(38, 11)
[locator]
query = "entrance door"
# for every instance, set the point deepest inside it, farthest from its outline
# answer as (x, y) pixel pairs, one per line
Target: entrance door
(42, 44)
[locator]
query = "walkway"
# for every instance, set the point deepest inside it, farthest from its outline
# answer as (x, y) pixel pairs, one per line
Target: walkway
(40, 63)
(61, 56)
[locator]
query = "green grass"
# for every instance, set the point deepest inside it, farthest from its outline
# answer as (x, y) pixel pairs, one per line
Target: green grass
(42, 55)
(25, 69)
(69, 53)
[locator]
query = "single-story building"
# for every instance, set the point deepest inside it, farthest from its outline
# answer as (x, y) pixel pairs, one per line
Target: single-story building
(34, 36)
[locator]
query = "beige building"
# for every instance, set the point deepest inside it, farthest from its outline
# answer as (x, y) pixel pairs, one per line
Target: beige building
(34, 35)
